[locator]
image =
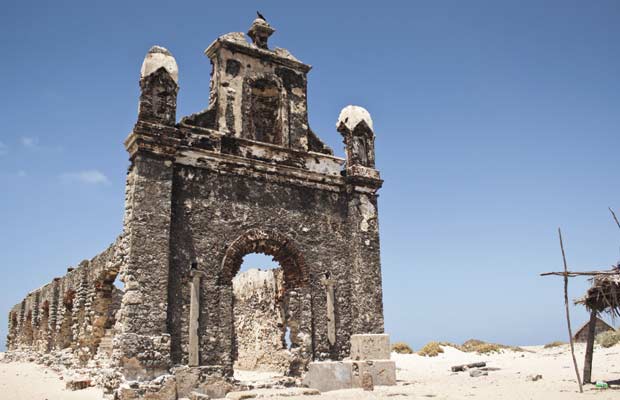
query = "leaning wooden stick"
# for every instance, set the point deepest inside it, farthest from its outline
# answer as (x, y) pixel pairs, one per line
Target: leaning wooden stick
(613, 214)
(570, 331)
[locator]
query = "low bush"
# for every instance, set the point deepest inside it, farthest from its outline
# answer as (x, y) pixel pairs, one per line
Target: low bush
(487, 348)
(608, 339)
(557, 343)
(430, 349)
(482, 347)
(471, 345)
(401, 348)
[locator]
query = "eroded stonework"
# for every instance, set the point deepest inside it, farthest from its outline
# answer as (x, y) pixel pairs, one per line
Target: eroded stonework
(245, 175)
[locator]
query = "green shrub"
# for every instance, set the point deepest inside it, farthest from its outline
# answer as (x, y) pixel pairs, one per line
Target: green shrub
(401, 348)
(608, 339)
(431, 349)
(557, 343)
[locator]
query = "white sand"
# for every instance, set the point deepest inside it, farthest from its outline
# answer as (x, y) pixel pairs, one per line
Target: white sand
(28, 381)
(418, 377)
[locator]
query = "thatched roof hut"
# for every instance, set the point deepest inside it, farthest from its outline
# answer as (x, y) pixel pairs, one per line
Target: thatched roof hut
(604, 294)
(599, 326)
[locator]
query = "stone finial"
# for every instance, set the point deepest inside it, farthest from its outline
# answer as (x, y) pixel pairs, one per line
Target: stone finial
(259, 32)
(156, 58)
(355, 126)
(351, 116)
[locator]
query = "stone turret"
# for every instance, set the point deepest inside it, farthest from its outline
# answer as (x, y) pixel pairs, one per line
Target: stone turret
(159, 78)
(355, 126)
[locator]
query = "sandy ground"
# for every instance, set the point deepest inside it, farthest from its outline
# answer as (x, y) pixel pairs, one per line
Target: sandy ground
(28, 381)
(418, 378)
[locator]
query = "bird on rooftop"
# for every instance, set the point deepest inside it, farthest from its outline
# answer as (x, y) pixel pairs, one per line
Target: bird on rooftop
(260, 16)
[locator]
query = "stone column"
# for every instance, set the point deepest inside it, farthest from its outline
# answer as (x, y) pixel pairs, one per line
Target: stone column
(363, 182)
(367, 295)
(194, 313)
(143, 341)
(331, 315)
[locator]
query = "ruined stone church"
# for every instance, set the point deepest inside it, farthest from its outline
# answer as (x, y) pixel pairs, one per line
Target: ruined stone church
(245, 175)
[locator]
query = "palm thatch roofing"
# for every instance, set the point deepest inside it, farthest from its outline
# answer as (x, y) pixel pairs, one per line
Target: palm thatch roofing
(604, 294)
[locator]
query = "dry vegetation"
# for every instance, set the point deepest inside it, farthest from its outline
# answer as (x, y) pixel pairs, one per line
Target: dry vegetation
(556, 343)
(401, 348)
(471, 346)
(608, 339)
(431, 349)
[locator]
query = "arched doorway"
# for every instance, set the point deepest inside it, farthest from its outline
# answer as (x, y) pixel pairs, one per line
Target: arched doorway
(283, 295)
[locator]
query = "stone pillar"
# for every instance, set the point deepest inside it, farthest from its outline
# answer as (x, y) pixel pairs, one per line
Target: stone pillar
(143, 341)
(142, 347)
(331, 315)
(194, 314)
(363, 182)
(367, 294)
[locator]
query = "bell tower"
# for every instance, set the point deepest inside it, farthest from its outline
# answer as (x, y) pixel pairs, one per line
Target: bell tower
(258, 93)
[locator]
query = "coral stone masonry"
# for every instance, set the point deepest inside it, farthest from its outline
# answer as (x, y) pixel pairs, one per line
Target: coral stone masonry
(245, 175)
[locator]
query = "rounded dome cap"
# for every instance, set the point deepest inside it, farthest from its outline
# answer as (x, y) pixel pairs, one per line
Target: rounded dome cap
(156, 58)
(351, 116)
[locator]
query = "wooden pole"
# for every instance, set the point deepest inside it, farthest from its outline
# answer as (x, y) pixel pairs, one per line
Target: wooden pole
(613, 214)
(584, 273)
(570, 331)
(587, 364)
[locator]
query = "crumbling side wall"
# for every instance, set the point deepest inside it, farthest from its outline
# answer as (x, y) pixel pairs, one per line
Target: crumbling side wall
(68, 313)
(260, 321)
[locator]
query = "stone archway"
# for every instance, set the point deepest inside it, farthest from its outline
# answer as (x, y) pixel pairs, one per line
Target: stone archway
(294, 299)
(272, 243)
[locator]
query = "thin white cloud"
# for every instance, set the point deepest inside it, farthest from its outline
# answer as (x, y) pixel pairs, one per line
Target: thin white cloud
(91, 176)
(29, 142)
(21, 173)
(3, 149)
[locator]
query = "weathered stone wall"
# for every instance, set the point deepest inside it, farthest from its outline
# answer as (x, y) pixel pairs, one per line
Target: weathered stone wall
(70, 312)
(211, 210)
(246, 175)
(260, 321)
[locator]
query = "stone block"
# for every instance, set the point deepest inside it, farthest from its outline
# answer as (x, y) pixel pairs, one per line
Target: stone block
(370, 347)
(162, 388)
(328, 375)
(215, 387)
(367, 383)
(78, 383)
(383, 372)
(198, 396)
(187, 379)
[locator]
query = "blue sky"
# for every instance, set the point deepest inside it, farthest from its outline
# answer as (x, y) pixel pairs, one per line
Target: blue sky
(496, 123)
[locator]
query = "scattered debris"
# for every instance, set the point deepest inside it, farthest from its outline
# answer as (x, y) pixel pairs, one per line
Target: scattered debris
(198, 396)
(601, 385)
(78, 383)
(474, 373)
(534, 378)
(464, 367)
